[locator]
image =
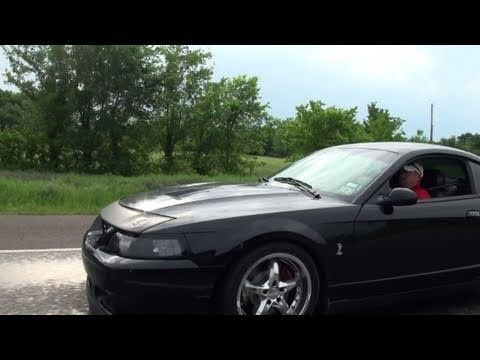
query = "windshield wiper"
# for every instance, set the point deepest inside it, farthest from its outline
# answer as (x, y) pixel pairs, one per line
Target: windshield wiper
(299, 184)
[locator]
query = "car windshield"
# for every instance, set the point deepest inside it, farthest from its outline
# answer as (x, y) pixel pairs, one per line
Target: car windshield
(342, 171)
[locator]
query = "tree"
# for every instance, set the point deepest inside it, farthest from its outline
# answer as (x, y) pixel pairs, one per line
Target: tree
(180, 78)
(242, 115)
(226, 125)
(14, 108)
(469, 142)
(20, 138)
(43, 73)
(419, 137)
(451, 141)
(381, 126)
(269, 134)
(88, 98)
(112, 96)
(316, 127)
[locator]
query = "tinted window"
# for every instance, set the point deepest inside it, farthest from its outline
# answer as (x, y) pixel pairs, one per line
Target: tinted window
(443, 177)
(476, 174)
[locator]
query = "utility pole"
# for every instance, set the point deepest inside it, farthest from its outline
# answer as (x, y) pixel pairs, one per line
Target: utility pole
(431, 124)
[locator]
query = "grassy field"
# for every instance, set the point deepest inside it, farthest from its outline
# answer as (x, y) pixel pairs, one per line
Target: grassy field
(25, 192)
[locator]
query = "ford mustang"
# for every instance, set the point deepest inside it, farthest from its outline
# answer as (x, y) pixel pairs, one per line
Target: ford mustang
(336, 227)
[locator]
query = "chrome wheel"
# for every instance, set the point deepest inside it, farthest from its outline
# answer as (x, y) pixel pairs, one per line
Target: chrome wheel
(278, 283)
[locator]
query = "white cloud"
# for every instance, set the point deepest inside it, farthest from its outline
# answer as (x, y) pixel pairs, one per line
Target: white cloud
(379, 63)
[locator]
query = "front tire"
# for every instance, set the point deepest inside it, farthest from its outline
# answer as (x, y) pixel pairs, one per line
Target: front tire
(274, 279)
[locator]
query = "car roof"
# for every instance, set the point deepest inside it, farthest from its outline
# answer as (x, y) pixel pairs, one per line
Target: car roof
(409, 147)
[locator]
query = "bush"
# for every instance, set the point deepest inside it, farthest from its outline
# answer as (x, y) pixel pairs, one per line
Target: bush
(13, 146)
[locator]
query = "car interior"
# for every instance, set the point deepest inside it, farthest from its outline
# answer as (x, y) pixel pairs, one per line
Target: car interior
(443, 177)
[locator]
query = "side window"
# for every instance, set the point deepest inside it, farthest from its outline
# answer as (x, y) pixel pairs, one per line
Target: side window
(476, 174)
(442, 177)
(445, 177)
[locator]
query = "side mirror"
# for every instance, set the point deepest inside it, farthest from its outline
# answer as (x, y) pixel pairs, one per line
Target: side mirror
(399, 197)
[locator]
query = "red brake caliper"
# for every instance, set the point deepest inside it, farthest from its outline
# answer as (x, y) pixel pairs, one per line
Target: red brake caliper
(285, 273)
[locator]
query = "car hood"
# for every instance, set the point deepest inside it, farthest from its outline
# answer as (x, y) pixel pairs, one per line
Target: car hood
(197, 203)
(168, 199)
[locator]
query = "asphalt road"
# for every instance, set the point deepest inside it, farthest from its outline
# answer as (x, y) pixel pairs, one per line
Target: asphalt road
(41, 272)
(42, 232)
(42, 283)
(41, 269)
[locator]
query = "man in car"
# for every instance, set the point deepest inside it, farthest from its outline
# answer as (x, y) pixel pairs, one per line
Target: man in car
(410, 177)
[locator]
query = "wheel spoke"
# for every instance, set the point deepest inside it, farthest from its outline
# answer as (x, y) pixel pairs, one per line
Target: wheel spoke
(286, 286)
(263, 307)
(255, 289)
(274, 275)
(282, 306)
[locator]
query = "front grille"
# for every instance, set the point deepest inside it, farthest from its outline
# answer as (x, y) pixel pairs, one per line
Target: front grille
(106, 304)
(103, 299)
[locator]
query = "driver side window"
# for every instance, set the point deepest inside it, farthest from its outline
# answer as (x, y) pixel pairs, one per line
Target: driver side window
(442, 177)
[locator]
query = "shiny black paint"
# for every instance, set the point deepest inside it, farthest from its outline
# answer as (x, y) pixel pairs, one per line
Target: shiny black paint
(385, 249)
(173, 288)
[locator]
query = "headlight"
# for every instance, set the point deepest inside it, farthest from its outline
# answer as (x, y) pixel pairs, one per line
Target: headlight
(146, 247)
(92, 238)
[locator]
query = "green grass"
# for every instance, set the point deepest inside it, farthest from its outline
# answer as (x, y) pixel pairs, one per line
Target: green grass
(28, 192)
(269, 165)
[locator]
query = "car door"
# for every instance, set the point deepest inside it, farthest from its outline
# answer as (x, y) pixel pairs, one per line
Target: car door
(454, 253)
(405, 248)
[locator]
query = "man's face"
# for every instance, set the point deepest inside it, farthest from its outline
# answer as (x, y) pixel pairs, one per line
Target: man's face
(408, 179)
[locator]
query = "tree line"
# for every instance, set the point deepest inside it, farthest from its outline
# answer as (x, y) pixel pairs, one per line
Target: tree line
(131, 109)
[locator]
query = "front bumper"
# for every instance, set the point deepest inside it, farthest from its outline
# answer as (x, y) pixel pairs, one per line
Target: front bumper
(117, 285)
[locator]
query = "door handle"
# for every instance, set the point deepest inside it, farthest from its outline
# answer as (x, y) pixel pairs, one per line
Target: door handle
(475, 214)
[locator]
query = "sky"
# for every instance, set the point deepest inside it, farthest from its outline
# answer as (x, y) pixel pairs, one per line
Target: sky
(405, 79)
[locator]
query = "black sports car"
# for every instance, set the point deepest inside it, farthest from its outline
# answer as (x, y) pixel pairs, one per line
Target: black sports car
(334, 227)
